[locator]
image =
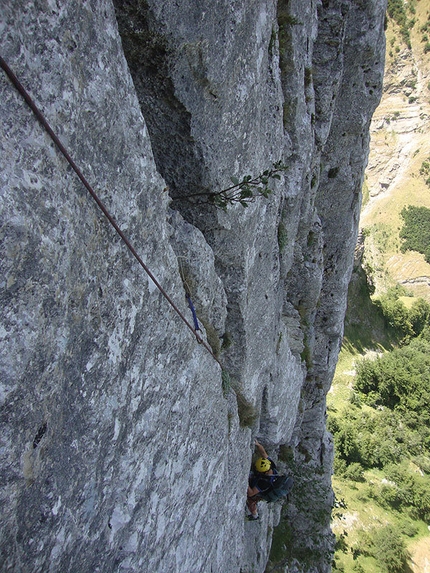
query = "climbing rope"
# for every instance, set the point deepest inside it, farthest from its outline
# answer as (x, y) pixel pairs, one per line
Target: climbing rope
(19, 87)
(190, 302)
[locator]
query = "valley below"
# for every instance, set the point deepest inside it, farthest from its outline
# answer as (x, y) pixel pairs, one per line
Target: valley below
(395, 178)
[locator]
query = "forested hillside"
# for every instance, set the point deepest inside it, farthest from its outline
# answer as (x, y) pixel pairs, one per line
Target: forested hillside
(379, 414)
(379, 406)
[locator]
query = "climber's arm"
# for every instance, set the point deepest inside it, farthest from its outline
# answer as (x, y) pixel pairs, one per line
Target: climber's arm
(261, 449)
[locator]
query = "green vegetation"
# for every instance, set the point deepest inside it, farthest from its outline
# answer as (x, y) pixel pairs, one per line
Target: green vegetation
(248, 413)
(381, 428)
(379, 405)
(416, 230)
(402, 321)
(425, 39)
(394, 427)
(382, 235)
(385, 545)
(397, 11)
(244, 191)
(226, 382)
(390, 550)
(387, 417)
(282, 236)
(403, 14)
(425, 171)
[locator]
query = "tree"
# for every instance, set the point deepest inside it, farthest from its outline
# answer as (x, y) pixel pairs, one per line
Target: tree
(419, 315)
(416, 230)
(396, 315)
(390, 550)
(399, 379)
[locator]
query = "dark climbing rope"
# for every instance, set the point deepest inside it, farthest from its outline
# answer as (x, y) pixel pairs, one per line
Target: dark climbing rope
(93, 194)
(193, 312)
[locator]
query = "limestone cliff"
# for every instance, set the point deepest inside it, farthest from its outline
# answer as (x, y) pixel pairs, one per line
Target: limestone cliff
(123, 446)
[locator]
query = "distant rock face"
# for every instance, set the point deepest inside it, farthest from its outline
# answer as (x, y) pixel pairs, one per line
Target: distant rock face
(124, 448)
(399, 147)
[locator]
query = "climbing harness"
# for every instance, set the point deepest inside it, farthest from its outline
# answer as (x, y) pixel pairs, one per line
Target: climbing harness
(21, 90)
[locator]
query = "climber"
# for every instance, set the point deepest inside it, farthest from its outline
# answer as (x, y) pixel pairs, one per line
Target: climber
(258, 480)
(265, 483)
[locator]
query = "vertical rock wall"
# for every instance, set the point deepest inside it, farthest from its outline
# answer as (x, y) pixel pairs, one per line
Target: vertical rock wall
(124, 449)
(342, 87)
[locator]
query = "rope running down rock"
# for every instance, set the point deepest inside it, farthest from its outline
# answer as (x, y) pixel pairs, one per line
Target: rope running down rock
(93, 194)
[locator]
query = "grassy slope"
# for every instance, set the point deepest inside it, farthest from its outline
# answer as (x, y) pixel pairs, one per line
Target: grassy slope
(400, 143)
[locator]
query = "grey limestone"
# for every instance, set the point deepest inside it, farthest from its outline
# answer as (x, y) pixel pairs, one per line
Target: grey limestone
(123, 446)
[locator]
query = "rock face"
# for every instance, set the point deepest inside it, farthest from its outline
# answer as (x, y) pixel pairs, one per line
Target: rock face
(124, 446)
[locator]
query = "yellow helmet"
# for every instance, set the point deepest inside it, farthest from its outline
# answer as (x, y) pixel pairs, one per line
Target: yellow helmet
(263, 465)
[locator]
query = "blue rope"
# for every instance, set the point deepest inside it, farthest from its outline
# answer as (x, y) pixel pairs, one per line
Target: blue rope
(193, 310)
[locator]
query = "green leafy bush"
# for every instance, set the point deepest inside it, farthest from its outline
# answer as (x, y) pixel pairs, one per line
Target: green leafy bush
(419, 316)
(243, 191)
(425, 165)
(396, 315)
(404, 323)
(416, 230)
(412, 490)
(354, 472)
(390, 550)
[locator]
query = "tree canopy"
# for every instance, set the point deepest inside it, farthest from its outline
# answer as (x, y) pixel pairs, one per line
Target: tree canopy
(416, 230)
